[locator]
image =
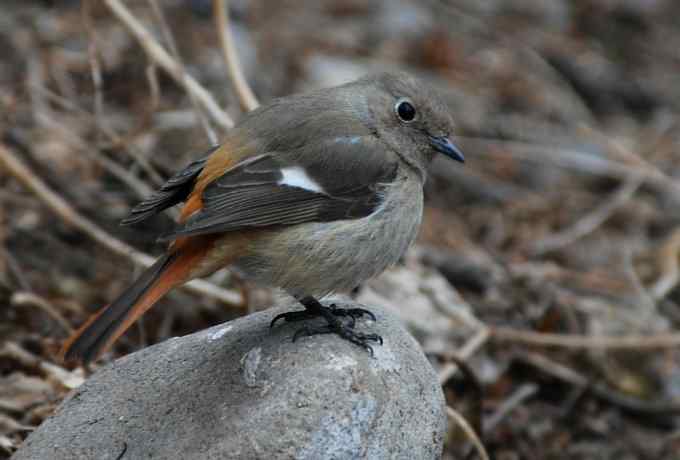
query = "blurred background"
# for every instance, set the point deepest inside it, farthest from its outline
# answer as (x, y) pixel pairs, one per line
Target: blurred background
(548, 263)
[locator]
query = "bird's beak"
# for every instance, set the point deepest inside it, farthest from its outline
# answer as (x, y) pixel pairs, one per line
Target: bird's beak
(443, 144)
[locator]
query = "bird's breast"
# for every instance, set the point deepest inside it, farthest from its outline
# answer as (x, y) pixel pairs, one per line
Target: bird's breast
(321, 258)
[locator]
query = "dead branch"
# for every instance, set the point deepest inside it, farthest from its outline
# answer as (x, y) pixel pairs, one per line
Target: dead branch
(38, 89)
(159, 56)
(95, 68)
(469, 432)
(465, 352)
(170, 41)
(59, 206)
(245, 94)
(574, 160)
(69, 379)
(591, 221)
(667, 258)
(520, 395)
(580, 342)
(73, 139)
(30, 299)
(603, 392)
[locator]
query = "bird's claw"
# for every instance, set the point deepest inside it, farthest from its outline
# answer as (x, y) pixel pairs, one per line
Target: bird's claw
(344, 331)
(302, 315)
(353, 313)
(334, 325)
(292, 316)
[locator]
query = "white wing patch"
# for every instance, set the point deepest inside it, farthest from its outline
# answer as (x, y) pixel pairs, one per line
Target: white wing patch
(295, 176)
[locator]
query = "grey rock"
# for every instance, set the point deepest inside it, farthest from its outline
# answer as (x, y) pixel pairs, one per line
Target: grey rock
(241, 390)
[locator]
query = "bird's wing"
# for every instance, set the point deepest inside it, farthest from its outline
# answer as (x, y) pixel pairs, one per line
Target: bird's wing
(173, 191)
(340, 179)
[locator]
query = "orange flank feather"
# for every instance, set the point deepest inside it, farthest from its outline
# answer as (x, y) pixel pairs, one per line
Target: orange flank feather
(218, 163)
(177, 273)
(109, 323)
(193, 204)
(182, 262)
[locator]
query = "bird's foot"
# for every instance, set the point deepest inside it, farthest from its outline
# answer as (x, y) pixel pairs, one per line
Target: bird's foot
(313, 309)
(351, 313)
(345, 331)
(302, 315)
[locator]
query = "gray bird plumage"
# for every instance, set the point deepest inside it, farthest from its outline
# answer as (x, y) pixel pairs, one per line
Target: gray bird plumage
(312, 193)
(370, 168)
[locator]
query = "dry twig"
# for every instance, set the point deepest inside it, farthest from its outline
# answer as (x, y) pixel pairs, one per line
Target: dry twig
(69, 379)
(575, 160)
(167, 36)
(646, 300)
(604, 392)
(34, 300)
(465, 352)
(592, 220)
(667, 258)
(469, 432)
(474, 382)
(74, 140)
(245, 94)
(520, 395)
(69, 215)
(95, 68)
(159, 56)
(39, 90)
(580, 342)
(12, 264)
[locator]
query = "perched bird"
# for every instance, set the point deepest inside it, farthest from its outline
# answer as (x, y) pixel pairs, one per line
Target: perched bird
(312, 193)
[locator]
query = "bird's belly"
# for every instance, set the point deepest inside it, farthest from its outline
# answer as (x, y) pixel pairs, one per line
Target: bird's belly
(322, 258)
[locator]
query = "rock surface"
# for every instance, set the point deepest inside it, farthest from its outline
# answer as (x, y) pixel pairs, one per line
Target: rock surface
(240, 390)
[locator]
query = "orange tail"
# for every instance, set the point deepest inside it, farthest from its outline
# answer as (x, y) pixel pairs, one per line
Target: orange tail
(109, 323)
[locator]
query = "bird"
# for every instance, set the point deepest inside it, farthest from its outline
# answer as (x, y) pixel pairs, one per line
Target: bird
(312, 193)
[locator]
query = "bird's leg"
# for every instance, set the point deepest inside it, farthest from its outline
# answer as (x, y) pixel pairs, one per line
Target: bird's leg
(314, 309)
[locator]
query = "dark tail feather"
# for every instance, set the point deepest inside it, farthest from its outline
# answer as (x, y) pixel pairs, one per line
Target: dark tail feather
(110, 322)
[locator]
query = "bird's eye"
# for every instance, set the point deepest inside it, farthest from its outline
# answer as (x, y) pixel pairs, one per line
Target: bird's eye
(405, 110)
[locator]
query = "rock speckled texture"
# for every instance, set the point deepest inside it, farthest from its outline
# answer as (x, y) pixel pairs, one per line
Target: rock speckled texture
(241, 390)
